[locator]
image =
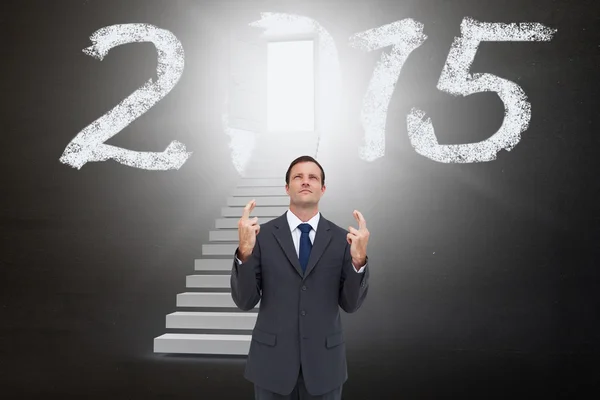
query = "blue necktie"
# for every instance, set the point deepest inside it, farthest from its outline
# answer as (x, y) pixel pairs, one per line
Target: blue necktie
(305, 245)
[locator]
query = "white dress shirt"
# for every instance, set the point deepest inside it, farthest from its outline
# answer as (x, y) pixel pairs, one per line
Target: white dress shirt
(293, 222)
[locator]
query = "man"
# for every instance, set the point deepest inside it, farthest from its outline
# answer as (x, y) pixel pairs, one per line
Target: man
(302, 268)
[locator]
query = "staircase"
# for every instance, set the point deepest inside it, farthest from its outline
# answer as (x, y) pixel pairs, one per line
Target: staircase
(207, 306)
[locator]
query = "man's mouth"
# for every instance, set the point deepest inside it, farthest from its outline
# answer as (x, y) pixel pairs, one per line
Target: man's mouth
(305, 191)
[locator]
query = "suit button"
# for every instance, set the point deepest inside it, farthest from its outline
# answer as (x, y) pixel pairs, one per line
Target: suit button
(303, 287)
(302, 312)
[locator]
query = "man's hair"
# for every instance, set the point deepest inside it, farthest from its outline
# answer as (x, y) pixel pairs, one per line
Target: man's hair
(304, 159)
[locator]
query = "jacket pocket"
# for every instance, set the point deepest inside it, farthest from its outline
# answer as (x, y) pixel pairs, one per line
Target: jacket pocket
(334, 339)
(264, 337)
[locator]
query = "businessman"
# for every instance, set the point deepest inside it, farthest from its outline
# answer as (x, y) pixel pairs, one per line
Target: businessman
(302, 268)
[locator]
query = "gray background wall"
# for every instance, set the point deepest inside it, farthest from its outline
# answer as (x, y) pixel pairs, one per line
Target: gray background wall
(484, 276)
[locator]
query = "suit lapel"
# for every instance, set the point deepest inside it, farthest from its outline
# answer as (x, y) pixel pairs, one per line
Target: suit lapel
(322, 239)
(283, 235)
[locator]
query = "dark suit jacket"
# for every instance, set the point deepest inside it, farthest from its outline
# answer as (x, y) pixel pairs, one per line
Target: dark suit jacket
(298, 321)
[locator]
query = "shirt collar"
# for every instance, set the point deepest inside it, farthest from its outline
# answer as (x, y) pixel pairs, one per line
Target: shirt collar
(294, 221)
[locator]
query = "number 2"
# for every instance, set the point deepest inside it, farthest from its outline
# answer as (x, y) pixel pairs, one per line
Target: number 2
(88, 145)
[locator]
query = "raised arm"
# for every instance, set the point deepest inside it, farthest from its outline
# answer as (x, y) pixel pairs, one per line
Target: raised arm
(246, 270)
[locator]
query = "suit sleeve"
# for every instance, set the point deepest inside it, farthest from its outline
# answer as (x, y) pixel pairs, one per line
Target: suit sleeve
(246, 280)
(353, 286)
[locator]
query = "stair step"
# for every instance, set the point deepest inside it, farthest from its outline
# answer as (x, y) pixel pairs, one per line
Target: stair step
(209, 281)
(181, 343)
(220, 249)
(214, 264)
(267, 201)
(258, 182)
(211, 320)
(268, 171)
(232, 223)
(259, 191)
(257, 212)
(224, 236)
(212, 300)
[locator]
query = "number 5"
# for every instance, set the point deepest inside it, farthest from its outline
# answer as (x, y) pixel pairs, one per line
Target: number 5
(456, 79)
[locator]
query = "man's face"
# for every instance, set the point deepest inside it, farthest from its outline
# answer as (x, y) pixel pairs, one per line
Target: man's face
(305, 187)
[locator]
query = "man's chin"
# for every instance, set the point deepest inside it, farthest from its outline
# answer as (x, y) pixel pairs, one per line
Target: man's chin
(305, 202)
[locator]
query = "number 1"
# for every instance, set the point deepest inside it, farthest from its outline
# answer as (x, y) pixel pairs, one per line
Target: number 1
(404, 36)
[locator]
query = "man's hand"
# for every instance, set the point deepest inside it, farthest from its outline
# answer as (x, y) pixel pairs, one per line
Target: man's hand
(247, 231)
(358, 239)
